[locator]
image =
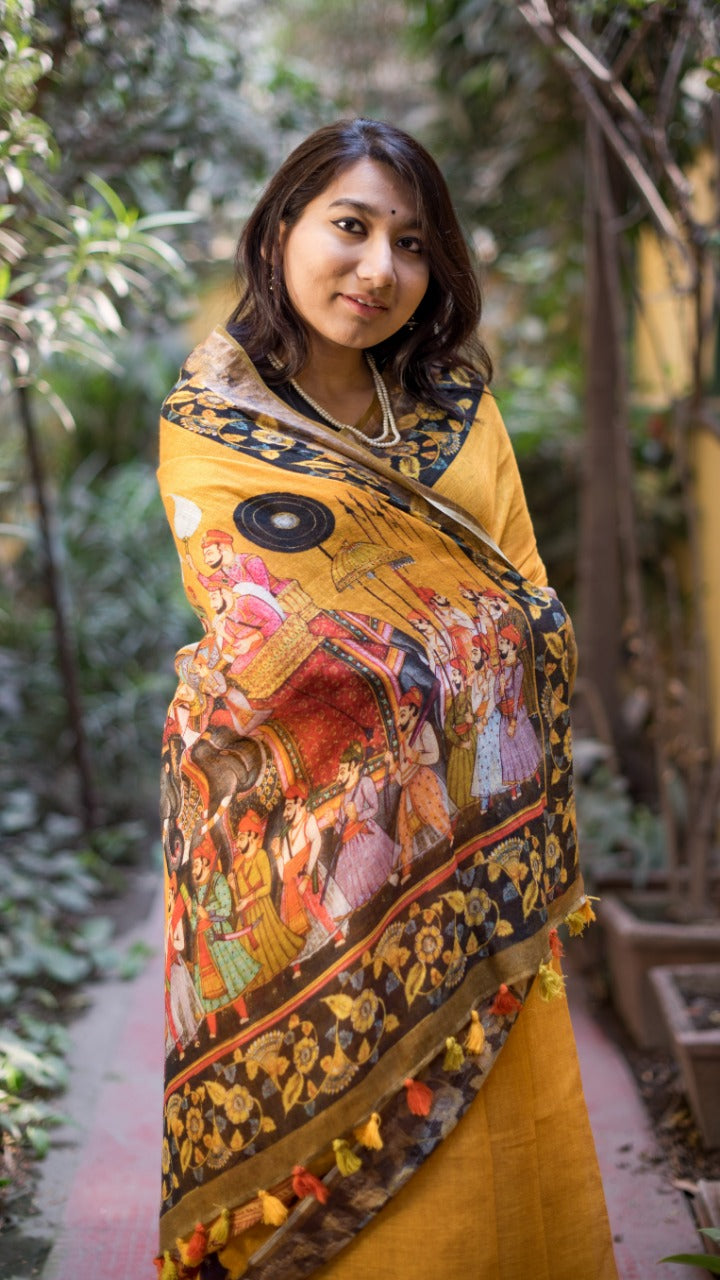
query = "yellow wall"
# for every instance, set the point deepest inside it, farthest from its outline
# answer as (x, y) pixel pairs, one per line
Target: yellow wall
(665, 331)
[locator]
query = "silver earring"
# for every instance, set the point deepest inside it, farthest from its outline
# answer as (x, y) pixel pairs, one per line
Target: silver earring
(411, 323)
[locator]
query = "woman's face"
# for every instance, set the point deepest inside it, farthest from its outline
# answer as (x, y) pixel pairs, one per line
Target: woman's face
(354, 264)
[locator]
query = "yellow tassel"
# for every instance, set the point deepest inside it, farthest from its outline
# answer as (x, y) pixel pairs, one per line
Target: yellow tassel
(219, 1232)
(475, 1038)
(577, 920)
(368, 1134)
(454, 1056)
(169, 1270)
(552, 983)
(274, 1212)
(347, 1161)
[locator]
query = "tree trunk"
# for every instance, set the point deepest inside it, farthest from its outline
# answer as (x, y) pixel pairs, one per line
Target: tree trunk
(65, 655)
(599, 564)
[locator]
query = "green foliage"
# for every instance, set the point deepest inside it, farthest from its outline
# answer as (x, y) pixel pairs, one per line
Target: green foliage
(51, 886)
(708, 1262)
(617, 835)
(129, 617)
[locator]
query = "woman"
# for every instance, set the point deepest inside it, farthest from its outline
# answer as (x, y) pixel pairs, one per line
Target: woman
(338, 446)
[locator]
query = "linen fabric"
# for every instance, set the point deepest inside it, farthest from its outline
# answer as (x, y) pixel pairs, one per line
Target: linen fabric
(367, 804)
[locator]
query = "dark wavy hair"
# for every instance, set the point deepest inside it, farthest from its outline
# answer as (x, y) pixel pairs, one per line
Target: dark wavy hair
(446, 334)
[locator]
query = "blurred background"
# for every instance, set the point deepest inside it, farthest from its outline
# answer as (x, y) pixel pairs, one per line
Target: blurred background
(581, 143)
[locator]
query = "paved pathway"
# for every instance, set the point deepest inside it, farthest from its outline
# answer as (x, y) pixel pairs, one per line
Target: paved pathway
(98, 1195)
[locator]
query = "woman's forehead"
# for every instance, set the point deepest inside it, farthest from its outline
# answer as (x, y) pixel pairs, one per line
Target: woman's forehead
(374, 188)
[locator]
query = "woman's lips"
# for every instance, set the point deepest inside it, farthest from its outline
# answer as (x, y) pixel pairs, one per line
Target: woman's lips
(363, 307)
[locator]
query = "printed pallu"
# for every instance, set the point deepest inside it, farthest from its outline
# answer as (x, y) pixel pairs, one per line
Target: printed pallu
(367, 806)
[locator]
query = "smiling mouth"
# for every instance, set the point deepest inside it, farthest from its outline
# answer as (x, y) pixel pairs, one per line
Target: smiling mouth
(364, 305)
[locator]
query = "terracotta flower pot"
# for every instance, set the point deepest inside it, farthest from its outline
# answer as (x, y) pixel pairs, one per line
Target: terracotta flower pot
(638, 938)
(697, 1048)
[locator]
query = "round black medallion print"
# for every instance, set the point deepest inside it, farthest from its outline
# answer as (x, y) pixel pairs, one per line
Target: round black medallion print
(284, 521)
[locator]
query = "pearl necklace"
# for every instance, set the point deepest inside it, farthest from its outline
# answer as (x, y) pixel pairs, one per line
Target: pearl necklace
(389, 434)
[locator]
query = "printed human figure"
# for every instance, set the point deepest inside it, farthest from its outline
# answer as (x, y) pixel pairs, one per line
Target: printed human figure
(241, 623)
(487, 780)
(366, 853)
(438, 649)
(223, 967)
(229, 568)
(296, 851)
(461, 738)
(423, 804)
(457, 625)
(276, 946)
(519, 747)
(183, 1010)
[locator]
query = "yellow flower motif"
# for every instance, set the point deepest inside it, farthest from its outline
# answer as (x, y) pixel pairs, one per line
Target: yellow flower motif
(305, 1054)
(477, 905)
(218, 1154)
(553, 852)
(165, 1156)
(428, 944)
(364, 1010)
(456, 963)
(174, 1118)
(272, 437)
(535, 864)
(238, 1103)
(194, 1124)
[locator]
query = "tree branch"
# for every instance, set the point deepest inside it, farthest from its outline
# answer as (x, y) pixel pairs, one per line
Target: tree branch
(537, 15)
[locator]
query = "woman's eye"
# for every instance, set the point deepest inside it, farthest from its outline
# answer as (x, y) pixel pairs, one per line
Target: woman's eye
(412, 243)
(353, 225)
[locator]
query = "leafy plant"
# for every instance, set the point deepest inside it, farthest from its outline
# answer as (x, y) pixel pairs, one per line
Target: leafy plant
(707, 1261)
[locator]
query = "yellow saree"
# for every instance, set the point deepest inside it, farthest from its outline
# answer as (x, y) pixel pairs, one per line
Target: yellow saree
(360, 626)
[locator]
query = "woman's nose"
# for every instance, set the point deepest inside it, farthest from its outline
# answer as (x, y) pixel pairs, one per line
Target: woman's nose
(376, 264)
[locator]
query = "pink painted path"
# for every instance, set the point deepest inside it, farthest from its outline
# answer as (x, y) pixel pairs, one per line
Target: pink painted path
(99, 1194)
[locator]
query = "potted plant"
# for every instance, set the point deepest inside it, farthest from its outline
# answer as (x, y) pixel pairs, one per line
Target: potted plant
(689, 999)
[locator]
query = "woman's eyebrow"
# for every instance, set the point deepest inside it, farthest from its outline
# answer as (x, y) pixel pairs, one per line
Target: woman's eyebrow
(371, 210)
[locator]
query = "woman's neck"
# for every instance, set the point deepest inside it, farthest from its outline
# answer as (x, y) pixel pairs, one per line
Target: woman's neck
(335, 374)
(340, 380)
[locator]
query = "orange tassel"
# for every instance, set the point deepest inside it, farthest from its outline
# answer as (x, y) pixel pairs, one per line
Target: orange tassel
(274, 1211)
(194, 1251)
(219, 1233)
(475, 1038)
(419, 1097)
(556, 946)
(368, 1134)
(306, 1184)
(505, 1001)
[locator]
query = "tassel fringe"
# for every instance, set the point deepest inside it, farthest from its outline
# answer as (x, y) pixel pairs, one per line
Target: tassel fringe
(419, 1097)
(219, 1233)
(274, 1211)
(368, 1134)
(306, 1184)
(505, 1001)
(475, 1038)
(577, 920)
(454, 1056)
(169, 1271)
(556, 946)
(552, 983)
(346, 1159)
(193, 1251)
